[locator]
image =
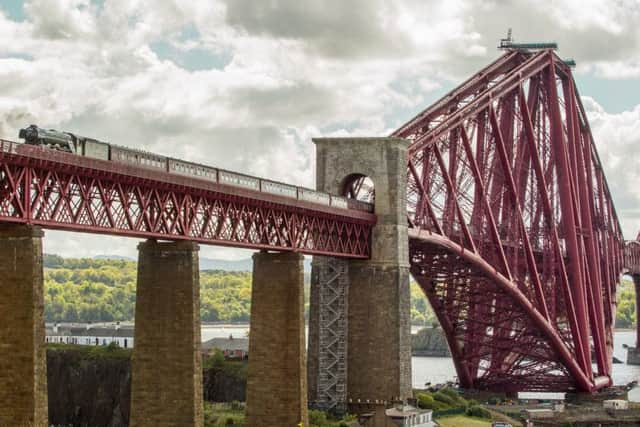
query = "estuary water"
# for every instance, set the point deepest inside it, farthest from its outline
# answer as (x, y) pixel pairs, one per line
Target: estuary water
(440, 369)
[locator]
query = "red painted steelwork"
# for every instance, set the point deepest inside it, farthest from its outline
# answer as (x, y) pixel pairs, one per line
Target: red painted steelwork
(514, 238)
(62, 191)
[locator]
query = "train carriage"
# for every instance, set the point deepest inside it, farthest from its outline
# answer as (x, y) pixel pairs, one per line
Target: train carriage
(95, 149)
(138, 157)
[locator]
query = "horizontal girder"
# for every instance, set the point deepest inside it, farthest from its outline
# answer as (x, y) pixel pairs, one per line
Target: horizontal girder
(61, 191)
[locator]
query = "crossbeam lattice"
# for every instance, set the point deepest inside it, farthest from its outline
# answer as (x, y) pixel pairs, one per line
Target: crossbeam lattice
(514, 236)
(61, 191)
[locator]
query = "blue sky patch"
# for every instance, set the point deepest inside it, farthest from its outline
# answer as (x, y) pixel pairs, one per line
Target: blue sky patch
(615, 96)
(13, 9)
(23, 56)
(193, 59)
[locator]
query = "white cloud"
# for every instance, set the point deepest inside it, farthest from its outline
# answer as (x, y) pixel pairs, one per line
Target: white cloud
(595, 33)
(292, 71)
(617, 138)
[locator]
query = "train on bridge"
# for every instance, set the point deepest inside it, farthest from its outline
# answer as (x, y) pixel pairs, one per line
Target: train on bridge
(92, 148)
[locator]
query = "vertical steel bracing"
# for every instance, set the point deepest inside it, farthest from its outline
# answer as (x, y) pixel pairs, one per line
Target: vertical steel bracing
(333, 284)
(514, 237)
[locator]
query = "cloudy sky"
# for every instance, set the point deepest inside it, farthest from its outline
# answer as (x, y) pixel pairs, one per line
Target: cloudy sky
(245, 84)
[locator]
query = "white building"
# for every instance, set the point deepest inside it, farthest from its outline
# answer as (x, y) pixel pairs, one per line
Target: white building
(541, 397)
(616, 404)
(538, 413)
(633, 395)
(90, 334)
(404, 415)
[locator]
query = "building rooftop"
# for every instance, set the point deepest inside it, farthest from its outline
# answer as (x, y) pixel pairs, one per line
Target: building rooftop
(539, 395)
(404, 411)
(227, 344)
(90, 330)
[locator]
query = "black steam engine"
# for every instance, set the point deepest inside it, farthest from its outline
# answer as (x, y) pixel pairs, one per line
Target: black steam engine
(61, 141)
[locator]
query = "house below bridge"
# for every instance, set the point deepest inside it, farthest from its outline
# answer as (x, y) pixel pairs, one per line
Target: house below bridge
(104, 334)
(232, 348)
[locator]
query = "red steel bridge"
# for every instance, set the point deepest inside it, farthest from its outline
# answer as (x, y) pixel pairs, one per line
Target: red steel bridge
(59, 190)
(514, 237)
(513, 234)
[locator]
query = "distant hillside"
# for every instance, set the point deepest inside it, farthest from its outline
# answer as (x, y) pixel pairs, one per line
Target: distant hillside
(119, 257)
(226, 265)
(102, 289)
(212, 263)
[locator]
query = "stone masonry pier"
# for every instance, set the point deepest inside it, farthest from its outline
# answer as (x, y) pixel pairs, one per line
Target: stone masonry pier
(166, 383)
(277, 377)
(375, 318)
(23, 377)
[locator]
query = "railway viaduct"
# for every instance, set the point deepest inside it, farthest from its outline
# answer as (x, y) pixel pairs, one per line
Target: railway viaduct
(493, 199)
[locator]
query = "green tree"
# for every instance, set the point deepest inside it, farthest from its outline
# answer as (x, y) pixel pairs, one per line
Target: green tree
(626, 315)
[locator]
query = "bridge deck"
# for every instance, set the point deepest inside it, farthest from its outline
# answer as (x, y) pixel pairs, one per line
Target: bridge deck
(59, 190)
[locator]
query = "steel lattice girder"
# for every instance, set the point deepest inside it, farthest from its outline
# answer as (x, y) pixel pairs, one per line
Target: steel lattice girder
(61, 191)
(510, 211)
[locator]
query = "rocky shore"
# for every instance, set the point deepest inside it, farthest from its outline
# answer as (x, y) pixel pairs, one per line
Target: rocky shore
(429, 342)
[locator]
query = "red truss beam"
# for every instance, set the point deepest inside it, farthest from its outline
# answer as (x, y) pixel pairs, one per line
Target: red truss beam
(61, 191)
(514, 238)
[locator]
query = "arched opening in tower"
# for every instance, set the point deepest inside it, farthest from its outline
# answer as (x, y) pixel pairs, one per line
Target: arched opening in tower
(359, 187)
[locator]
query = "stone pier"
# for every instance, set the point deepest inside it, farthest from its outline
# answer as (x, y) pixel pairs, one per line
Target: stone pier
(633, 353)
(277, 377)
(633, 356)
(166, 384)
(23, 376)
(378, 358)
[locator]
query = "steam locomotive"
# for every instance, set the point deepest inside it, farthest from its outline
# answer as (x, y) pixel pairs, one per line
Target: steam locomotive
(61, 141)
(89, 147)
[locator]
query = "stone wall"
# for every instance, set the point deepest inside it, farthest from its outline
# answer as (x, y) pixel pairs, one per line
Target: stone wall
(86, 390)
(95, 390)
(633, 356)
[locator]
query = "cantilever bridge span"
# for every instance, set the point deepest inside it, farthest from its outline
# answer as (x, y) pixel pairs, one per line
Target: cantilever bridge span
(514, 237)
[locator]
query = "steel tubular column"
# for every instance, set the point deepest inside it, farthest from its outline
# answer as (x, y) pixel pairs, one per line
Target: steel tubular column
(567, 200)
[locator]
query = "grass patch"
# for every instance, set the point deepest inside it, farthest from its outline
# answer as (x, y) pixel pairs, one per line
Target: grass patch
(322, 419)
(232, 414)
(110, 351)
(463, 421)
(223, 414)
(446, 399)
